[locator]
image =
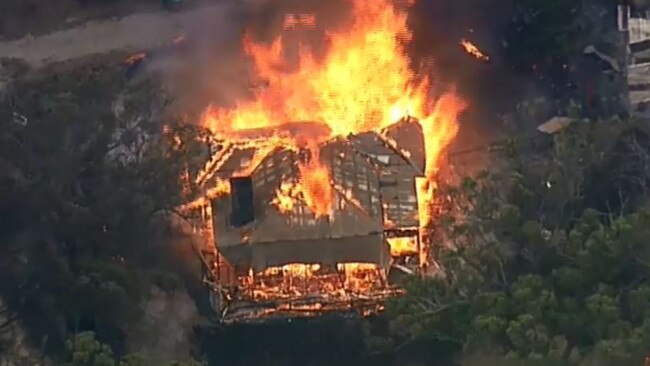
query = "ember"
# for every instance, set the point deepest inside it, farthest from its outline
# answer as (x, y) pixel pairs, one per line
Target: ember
(471, 49)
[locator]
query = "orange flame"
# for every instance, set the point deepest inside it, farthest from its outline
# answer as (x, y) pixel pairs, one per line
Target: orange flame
(314, 189)
(471, 49)
(402, 246)
(293, 269)
(439, 129)
(317, 190)
(363, 83)
(286, 196)
(219, 189)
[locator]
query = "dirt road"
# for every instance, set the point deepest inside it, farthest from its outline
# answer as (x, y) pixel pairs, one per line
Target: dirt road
(131, 34)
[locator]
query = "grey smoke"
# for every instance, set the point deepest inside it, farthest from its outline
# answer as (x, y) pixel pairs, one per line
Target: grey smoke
(215, 70)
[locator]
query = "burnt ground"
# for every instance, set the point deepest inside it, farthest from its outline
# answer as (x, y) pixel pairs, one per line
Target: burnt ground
(19, 18)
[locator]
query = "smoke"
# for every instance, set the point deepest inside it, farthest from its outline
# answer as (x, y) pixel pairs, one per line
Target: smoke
(492, 88)
(211, 67)
(214, 70)
(267, 17)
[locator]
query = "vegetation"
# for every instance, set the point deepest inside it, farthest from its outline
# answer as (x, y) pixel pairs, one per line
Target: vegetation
(84, 350)
(546, 259)
(85, 179)
(543, 261)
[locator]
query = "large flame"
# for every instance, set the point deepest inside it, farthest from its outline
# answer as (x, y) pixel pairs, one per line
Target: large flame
(364, 82)
(314, 189)
(439, 129)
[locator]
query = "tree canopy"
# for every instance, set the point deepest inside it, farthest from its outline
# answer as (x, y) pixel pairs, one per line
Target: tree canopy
(84, 350)
(546, 258)
(86, 173)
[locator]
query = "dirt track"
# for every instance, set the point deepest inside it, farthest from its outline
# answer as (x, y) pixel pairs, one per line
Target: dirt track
(131, 34)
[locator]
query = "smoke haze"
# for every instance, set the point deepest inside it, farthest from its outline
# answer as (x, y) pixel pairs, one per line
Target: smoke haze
(213, 68)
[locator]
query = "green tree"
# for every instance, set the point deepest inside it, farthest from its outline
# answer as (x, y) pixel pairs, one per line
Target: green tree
(86, 173)
(530, 269)
(84, 350)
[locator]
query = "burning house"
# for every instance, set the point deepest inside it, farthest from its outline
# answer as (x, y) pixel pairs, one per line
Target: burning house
(278, 253)
(303, 218)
